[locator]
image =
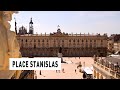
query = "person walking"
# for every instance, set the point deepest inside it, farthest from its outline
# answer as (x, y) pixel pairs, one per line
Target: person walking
(40, 72)
(63, 70)
(84, 76)
(56, 71)
(75, 70)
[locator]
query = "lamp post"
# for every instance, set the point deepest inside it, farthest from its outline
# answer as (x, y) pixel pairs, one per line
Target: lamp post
(40, 72)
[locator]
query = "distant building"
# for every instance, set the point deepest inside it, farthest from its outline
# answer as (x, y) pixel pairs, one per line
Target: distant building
(117, 46)
(107, 68)
(23, 30)
(114, 43)
(73, 45)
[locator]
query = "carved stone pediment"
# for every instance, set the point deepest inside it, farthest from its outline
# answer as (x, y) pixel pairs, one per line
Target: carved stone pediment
(58, 34)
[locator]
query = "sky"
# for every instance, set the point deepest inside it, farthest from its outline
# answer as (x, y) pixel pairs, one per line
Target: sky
(69, 21)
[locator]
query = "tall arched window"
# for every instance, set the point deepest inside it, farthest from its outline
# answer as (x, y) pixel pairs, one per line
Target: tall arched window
(34, 46)
(69, 40)
(74, 40)
(82, 40)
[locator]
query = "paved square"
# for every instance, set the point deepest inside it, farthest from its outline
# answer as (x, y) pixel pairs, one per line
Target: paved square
(69, 69)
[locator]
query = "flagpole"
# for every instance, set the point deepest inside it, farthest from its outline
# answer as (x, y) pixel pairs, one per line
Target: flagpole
(15, 26)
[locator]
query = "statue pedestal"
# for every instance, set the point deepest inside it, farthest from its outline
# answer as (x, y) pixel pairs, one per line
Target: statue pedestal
(60, 56)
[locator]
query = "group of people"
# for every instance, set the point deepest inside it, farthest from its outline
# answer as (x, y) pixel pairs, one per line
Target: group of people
(75, 57)
(35, 74)
(58, 71)
(63, 71)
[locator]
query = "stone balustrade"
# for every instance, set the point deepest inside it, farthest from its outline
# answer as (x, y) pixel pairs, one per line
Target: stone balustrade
(109, 67)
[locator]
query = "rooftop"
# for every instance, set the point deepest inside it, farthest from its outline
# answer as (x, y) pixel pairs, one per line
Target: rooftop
(61, 35)
(113, 59)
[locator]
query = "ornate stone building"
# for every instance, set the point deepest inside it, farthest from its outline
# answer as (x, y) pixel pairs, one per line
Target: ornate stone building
(114, 43)
(73, 45)
(107, 68)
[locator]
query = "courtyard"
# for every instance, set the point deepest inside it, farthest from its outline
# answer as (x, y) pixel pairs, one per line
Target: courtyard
(70, 69)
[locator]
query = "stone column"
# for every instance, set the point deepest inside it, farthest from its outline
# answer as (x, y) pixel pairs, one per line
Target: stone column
(97, 75)
(94, 74)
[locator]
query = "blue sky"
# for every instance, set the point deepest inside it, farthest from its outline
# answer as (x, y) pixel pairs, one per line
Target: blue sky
(70, 21)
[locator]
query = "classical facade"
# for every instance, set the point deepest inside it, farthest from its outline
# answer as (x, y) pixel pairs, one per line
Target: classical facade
(110, 46)
(107, 68)
(114, 43)
(73, 45)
